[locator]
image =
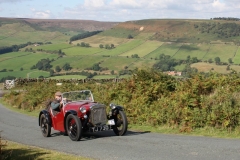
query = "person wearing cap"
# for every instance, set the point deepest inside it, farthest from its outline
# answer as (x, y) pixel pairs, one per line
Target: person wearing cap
(57, 103)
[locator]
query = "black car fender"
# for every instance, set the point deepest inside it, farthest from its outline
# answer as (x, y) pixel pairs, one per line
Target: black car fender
(66, 114)
(116, 110)
(47, 115)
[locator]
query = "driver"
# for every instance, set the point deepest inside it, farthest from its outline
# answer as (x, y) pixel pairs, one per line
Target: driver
(56, 105)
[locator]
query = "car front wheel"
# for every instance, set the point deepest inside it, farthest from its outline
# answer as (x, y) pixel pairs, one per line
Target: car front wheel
(45, 127)
(121, 124)
(73, 127)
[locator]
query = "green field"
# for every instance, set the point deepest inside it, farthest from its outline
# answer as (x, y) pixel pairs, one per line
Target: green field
(143, 49)
(25, 74)
(192, 50)
(78, 62)
(78, 51)
(207, 67)
(11, 55)
(223, 51)
(236, 58)
(96, 40)
(69, 77)
(53, 47)
(166, 48)
(117, 63)
(25, 62)
(19, 33)
(122, 48)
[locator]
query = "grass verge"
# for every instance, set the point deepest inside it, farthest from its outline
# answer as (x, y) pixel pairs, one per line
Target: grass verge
(16, 151)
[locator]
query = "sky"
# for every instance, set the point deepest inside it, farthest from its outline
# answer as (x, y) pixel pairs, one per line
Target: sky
(119, 10)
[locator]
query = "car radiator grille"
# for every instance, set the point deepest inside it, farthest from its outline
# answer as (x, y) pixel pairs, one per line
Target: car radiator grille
(98, 115)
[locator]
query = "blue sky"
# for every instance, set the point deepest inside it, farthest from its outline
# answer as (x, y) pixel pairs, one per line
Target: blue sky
(119, 10)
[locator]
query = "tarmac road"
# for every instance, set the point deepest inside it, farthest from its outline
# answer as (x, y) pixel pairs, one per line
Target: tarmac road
(106, 146)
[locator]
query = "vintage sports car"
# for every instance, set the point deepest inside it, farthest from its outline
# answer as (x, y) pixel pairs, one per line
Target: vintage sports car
(80, 113)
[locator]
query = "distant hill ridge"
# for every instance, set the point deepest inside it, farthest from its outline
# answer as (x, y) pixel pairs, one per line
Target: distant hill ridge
(74, 25)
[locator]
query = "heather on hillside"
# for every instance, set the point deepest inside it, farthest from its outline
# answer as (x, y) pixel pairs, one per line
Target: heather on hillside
(153, 98)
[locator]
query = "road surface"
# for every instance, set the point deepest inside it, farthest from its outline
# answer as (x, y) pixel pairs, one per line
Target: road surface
(106, 146)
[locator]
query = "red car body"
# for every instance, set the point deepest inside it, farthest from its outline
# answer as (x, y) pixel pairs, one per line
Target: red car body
(82, 114)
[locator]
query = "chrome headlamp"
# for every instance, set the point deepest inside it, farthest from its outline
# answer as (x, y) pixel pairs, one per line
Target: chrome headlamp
(83, 109)
(112, 106)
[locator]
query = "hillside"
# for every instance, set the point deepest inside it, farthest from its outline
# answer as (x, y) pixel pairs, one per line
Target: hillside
(61, 24)
(182, 31)
(124, 46)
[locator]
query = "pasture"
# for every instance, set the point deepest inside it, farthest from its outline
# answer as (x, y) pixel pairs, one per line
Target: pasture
(53, 47)
(25, 74)
(131, 44)
(96, 40)
(166, 48)
(69, 77)
(143, 49)
(223, 51)
(192, 50)
(78, 51)
(236, 58)
(25, 61)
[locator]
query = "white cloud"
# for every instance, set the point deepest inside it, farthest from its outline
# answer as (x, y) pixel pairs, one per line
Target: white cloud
(40, 14)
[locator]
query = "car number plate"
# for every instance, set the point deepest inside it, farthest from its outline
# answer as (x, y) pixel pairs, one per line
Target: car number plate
(111, 122)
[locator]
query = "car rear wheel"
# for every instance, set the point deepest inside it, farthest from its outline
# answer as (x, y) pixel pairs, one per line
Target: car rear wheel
(121, 124)
(73, 127)
(45, 127)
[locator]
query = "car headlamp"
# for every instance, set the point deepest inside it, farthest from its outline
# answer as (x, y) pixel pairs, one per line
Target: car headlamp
(83, 110)
(112, 106)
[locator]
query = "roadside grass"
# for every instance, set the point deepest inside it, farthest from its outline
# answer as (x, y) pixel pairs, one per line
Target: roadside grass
(96, 40)
(78, 51)
(192, 50)
(53, 47)
(207, 131)
(131, 44)
(143, 49)
(12, 150)
(166, 48)
(223, 51)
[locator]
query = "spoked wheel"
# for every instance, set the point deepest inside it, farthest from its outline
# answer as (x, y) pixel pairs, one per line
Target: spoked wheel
(121, 124)
(45, 127)
(74, 127)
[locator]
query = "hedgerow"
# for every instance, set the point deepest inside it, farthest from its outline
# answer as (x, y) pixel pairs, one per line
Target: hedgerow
(153, 98)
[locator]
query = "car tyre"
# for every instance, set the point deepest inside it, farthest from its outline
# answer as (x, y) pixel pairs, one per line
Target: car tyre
(45, 127)
(121, 124)
(73, 127)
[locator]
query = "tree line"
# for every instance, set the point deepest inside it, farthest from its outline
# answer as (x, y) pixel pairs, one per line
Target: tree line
(83, 35)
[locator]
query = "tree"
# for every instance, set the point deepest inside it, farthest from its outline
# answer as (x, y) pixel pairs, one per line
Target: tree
(100, 45)
(112, 46)
(210, 60)
(112, 72)
(230, 60)
(217, 60)
(51, 72)
(57, 69)
(66, 67)
(130, 36)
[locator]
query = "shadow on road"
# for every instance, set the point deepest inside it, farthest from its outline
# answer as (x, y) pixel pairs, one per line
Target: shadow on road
(90, 136)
